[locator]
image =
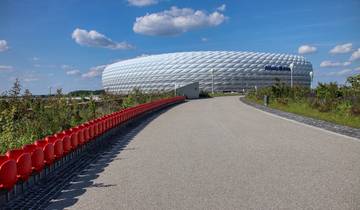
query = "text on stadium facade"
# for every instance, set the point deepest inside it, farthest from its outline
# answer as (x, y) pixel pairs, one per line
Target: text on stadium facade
(277, 68)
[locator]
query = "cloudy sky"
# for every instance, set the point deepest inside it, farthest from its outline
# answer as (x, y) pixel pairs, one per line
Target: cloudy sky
(67, 44)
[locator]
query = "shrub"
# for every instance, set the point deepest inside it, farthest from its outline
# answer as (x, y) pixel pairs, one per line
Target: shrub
(204, 94)
(283, 101)
(355, 108)
(25, 118)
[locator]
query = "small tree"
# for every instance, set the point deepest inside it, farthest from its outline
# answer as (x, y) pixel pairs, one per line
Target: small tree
(354, 82)
(92, 107)
(15, 90)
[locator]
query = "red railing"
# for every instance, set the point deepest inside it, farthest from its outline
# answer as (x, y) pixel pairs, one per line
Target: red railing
(19, 164)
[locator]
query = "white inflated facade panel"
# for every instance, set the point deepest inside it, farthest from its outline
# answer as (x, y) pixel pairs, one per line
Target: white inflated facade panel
(232, 71)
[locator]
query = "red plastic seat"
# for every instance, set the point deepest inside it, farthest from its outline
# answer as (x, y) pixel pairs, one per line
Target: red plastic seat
(122, 117)
(108, 122)
(73, 134)
(105, 125)
(97, 128)
(86, 133)
(8, 172)
(58, 145)
(66, 141)
(37, 156)
(67, 146)
(48, 149)
(102, 126)
(23, 163)
(80, 134)
(91, 130)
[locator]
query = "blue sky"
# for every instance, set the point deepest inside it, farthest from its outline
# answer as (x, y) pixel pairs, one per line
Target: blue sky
(66, 44)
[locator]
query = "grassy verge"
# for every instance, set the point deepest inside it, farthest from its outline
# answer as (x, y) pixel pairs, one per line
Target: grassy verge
(223, 94)
(302, 108)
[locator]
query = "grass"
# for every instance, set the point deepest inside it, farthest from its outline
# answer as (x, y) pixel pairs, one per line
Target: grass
(302, 108)
(220, 94)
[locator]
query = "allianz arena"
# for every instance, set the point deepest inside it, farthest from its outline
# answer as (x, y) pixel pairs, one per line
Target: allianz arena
(224, 71)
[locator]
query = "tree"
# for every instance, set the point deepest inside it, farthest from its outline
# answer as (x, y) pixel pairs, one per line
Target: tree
(59, 92)
(16, 89)
(354, 81)
(27, 94)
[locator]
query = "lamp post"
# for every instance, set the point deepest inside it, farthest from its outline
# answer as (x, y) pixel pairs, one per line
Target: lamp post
(291, 74)
(311, 74)
(175, 89)
(212, 81)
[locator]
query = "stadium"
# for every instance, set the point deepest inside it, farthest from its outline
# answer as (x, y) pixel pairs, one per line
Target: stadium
(219, 71)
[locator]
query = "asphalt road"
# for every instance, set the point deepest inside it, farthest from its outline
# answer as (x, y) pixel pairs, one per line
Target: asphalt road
(222, 154)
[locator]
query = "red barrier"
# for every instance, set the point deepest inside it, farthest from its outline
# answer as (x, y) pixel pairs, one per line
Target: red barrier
(18, 164)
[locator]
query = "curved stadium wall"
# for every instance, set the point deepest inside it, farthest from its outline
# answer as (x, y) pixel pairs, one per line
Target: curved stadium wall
(227, 70)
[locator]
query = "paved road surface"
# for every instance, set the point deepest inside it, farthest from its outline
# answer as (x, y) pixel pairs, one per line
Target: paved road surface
(222, 154)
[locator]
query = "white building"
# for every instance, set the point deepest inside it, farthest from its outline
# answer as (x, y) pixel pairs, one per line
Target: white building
(218, 70)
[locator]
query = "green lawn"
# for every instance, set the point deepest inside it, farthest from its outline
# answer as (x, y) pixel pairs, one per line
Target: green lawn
(302, 108)
(220, 94)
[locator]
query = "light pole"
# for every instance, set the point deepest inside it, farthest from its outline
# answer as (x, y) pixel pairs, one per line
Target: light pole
(291, 74)
(311, 74)
(212, 81)
(175, 89)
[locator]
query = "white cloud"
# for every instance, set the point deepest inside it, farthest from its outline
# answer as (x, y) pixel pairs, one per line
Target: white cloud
(204, 39)
(95, 39)
(176, 21)
(341, 72)
(344, 72)
(30, 78)
(3, 46)
(73, 72)
(343, 48)
(142, 3)
(44, 65)
(222, 8)
(139, 56)
(306, 49)
(94, 72)
(334, 64)
(35, 59)
(346, 63)
(66, 67)
(4, 68)
(70, 70)
(355, 55)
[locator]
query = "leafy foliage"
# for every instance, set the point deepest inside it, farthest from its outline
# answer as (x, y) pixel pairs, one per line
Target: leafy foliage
(25, 118)
(325, 98)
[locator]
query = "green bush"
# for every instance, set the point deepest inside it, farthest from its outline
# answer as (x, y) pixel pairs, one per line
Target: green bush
(325, 98)
(24, 118)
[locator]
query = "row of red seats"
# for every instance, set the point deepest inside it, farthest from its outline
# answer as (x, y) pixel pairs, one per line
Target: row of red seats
(19, 164)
